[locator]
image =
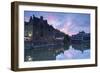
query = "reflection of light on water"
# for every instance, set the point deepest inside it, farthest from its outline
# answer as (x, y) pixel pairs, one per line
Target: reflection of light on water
(69, 53)
(73, 54)
(29, 58)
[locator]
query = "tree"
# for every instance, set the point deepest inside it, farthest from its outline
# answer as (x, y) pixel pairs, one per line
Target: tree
(66, 39)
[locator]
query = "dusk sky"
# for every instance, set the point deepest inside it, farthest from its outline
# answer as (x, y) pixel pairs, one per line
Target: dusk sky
(69, 23)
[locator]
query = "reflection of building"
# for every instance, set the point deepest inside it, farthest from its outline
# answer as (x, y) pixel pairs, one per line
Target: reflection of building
(81, 37)
(81, 46)
(43, 53)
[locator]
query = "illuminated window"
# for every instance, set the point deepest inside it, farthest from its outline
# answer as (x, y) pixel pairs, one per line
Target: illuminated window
(30, 34)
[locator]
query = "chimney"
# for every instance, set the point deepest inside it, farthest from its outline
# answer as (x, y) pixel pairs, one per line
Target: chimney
(41, 17)
(30, 19)
(33, 16)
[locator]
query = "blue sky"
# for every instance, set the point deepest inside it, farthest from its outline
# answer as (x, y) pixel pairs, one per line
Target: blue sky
(69, 23)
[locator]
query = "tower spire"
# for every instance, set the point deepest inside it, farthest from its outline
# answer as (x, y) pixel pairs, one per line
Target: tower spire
(30, 19)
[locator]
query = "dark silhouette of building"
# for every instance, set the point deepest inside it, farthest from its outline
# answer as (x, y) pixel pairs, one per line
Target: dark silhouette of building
(39, 32)
(81, 37)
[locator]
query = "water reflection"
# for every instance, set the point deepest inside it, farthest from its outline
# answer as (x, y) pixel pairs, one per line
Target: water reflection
(58, 52)
(72, 53)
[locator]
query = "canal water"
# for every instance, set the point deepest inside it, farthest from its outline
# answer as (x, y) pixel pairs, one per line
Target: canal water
(58, 52)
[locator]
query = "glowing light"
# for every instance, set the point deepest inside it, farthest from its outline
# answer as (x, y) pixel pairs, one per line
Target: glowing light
(29, 58)
(30, 34)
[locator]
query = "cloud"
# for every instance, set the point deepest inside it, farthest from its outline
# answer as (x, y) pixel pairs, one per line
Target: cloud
(69, 23)
(26, 19)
